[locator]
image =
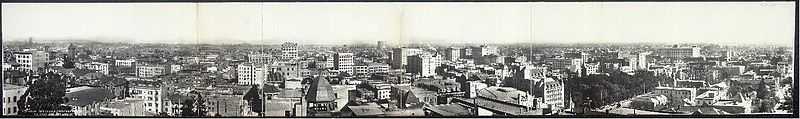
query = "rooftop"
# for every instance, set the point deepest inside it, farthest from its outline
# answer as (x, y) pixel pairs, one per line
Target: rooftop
(320, 91)
(499, 107)
(506, 94)
(12, 87)
(371, 109)
(83, 96)
(452, 110)
(629, 111)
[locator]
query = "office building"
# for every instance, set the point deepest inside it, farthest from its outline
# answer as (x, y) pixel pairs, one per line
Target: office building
(32, 60)
(400, 56)
(343, 62)
(422, 65)
(289, 51)
(452, 54)
(679, 52)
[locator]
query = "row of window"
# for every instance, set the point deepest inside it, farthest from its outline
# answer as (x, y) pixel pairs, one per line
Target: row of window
(10, 110)
(10, 99)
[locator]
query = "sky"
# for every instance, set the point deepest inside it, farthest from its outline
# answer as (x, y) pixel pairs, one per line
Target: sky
(400, 23)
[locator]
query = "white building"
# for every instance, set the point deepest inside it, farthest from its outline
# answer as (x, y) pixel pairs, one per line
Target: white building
(679, 52)
(377, 68)
(553, 92)
(289, 51)
(250, 74)
(400, 56)
(175, 68)
(344, 62)
(32, 60)
(592, 68)
(576, 65)
(483, 51)
(642, 61)
(677, 96)
(452, 54)
(150, 70)
(260, 58)
(151, 96)
(12, 94)
(422, 65)
(125, 63)
(96, 66)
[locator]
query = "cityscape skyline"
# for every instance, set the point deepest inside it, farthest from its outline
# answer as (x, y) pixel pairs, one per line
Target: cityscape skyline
(404, 60)
(403, 23)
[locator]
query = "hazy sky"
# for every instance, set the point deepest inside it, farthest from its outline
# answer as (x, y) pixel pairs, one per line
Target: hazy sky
(338, 23)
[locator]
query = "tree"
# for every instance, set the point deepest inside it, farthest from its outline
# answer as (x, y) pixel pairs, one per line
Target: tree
(194, 107)
(47, 93)
(188, 108)
(201, 106)
(68, 63)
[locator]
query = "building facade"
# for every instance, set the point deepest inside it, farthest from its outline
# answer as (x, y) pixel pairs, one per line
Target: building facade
(343, 62)
(289, 51)
(11, 95)
(679, 52)
(32, 60)
(151, 70)
(422, 65)
(400, 56)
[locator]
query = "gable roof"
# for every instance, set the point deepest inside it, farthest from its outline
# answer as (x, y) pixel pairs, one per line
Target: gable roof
(320, 90)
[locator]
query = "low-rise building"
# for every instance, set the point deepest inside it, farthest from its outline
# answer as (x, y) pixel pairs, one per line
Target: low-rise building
(85, 100)
(151, 70)
(12, 94)
(127, 107)
(677, 96)
(152, 96)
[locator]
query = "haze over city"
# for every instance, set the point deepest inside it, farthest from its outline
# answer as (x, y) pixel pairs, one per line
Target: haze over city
(400, 23)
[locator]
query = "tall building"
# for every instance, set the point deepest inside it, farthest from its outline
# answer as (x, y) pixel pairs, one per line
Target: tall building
(400, 56)
(250, 74)
(642, 61)
(32, 60)
(483, 50)
(466, 53)
(151, 94)
(343, 62)
(576, 65)
(452, 54)
(679, 52)
(286, 71)
(421, 64)
(11, 95)
(552, 92)
(289, 51)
